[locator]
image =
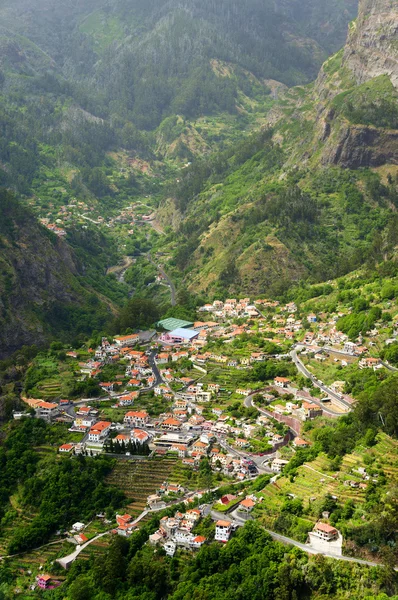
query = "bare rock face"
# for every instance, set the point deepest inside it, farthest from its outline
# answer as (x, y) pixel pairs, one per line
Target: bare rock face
(371, 50)
(361, 146)
(372, 46)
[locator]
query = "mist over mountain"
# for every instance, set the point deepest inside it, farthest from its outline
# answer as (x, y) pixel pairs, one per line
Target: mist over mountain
(299, 205)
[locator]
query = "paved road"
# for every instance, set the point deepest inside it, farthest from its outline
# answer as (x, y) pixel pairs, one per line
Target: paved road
(155, 225)
(289, 541)
(67, 560)
(91, 220)
(304, 371)
(154, 367)
(389, 367)
(167, 278)
(248, 402)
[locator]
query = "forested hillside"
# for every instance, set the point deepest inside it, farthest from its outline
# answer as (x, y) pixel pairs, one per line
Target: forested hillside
(86, 89)
(147, 61)
(313, 195)
(42, 288)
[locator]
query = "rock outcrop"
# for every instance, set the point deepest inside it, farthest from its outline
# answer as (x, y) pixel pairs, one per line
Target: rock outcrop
(358, 146)
(372, 46)
(371, 51)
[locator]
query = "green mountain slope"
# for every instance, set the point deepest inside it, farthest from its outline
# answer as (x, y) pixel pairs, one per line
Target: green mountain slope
(145, 62)
(43, 290)
(279, 209)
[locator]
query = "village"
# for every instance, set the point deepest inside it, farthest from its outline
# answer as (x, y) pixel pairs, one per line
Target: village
(197, 392)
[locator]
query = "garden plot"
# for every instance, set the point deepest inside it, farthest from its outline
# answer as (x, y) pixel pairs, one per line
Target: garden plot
(140, 478)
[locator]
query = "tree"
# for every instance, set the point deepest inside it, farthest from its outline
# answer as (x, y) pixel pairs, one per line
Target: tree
(81, 589)
(138, 313)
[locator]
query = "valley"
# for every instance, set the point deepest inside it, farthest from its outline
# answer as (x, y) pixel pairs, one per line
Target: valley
(198, 300)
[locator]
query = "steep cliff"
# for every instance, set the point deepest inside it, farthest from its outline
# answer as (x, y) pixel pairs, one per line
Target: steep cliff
(358, 107)
(279, 211)
(349, 117)
(372, 47)
(39, 282)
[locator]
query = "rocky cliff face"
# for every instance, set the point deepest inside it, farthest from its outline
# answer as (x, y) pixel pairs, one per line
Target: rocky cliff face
(353, 89)
(372, 47)
(356, 146)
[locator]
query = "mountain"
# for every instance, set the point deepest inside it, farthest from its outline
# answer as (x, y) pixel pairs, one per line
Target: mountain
(371, 49)
(43, 289)
(350, 116)
(292, 204)
(147, 61)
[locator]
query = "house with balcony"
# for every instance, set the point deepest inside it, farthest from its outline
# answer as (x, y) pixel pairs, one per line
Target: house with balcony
(223, 531)
(136, 418)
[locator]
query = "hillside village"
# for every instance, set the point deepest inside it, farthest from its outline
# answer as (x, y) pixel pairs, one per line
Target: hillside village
(231, 401)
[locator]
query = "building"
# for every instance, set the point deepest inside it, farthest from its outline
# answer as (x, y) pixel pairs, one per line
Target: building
(325, 532)
(43, 581)
(81, 538)
(171, 323)
(140, 436)
(183, 536)
(179, 336)
(247, 505)
(127, 340)
(349, 348)
(198, 541)
(170, 548)
(370, 363)
(168, 440)
(278, 464)
(99, 431)
(281, 382)
(223, 531)
(137, 418)
(310, 410)
(65, 448)
(125, 525)
(47, 410)
(201, 396)
(171, 424)
(299, 443)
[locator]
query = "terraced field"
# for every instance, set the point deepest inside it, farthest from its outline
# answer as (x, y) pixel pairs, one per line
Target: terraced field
(314, 480)
(140, 478)
(96, 548)
(50, 390)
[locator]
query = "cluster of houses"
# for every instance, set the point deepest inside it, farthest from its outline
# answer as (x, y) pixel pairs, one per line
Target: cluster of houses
(231, 308)
(178, 531)
(59, 231)
(108, 353)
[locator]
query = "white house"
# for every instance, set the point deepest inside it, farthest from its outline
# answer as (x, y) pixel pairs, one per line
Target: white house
(99, 431)
(325, 531)
(137, 418)
(278, 464)
(223, 531)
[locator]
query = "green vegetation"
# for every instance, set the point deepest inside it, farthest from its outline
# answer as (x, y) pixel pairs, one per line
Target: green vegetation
(58, 491)
(251, 563)
(372, 103)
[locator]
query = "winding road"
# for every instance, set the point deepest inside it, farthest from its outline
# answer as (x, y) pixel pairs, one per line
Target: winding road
(167, 278)
(346, 401)
(290, 542)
